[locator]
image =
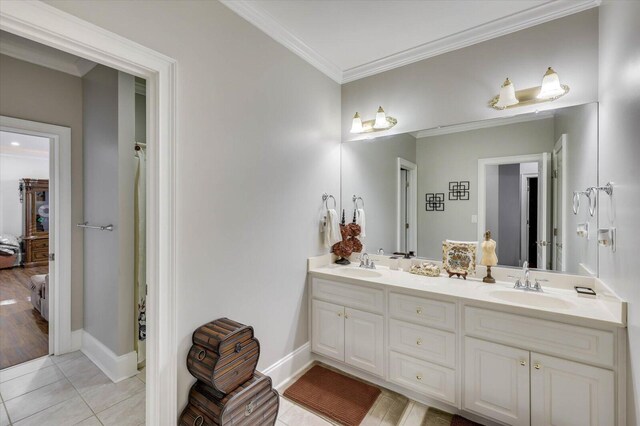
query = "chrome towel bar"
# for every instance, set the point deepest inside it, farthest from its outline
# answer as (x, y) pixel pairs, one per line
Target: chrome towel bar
(101, 228)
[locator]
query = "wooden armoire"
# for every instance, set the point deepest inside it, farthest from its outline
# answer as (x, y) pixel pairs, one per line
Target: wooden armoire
(34, 195)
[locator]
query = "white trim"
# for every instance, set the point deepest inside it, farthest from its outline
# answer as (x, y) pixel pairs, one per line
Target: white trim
(285, 369)
(561, 145)
(536, 15)
(60, 238)
(45, 24)
(482, 124)
(116, 367)
(267, 24)
(76, 340)
(413, 204)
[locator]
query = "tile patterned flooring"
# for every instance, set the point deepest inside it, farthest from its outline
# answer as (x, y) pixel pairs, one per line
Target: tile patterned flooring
(71, 390)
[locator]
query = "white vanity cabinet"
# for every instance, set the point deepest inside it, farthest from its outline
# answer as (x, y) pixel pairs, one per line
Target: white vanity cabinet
(346, 334)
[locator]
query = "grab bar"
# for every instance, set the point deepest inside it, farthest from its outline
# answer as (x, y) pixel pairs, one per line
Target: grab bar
(101, 228)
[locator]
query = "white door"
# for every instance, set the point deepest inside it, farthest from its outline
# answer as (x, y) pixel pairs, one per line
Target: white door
(565, 393)
(364, 345)
(543, 212)
(559, 204)
(327, 329)
(496, 381)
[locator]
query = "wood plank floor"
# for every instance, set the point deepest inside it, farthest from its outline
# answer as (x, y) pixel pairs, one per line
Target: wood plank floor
(24, 334)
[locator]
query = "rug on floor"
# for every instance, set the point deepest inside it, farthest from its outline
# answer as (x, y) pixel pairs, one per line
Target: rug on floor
(435, 417)
(334, 395)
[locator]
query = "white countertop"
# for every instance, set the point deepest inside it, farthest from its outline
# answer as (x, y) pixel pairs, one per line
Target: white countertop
(566, 305)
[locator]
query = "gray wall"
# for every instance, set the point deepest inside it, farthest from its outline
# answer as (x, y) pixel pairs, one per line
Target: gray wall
(109, 131)
(454, 157)
(508, 242)
(580, 124)
(619, 89)
(455, 87)
(369, 170)
(36, 93)
(258, 143)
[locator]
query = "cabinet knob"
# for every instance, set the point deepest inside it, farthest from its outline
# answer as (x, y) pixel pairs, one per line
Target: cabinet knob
(419, 311)
(536, 366)
(339, 314)
(419, 341)
(523, 363)
(419, 377)
(346, 316)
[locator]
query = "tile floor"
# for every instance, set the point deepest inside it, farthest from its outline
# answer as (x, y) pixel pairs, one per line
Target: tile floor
(69, 390)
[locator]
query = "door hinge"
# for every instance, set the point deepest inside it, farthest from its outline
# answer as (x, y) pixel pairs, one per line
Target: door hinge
(52, 257)
(555, 232)
(554, 174)
(407, 184)
(406, 226)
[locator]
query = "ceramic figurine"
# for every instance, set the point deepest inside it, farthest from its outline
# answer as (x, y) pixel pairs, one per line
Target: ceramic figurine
(489, 257)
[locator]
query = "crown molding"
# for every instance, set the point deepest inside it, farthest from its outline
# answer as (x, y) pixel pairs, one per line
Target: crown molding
(493, 29)
(483, 124)
(267, 24)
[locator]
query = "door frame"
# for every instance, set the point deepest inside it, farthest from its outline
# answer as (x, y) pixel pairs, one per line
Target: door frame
(60, 238)
(412, 168)
(524, 215)
(561, 145)
(50, 26)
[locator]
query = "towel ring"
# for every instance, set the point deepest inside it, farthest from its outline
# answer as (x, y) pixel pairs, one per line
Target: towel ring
(592, 201)
(325, 198)
(355, 199)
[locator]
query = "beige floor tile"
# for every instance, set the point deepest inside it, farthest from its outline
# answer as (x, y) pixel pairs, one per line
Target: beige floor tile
(297, 415)
(25, 368)
(285, 405)
(79, 366)
(142, 375)
(4, 418)
(59, 359)
(379, 410)
(68, 412)
(91, 421)
(104, 396)
(40, 399)
(416, 415)
(279, 423)
(29, 382)
(130, 412)
(392, 418)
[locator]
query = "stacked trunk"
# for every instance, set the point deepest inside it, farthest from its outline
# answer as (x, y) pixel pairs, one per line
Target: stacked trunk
(229, 390)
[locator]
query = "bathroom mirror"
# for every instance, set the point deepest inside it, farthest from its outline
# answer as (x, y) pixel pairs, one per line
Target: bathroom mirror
(520, 177)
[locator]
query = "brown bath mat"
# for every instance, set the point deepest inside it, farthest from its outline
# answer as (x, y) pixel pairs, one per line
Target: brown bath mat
(435, 417)
(338, 397)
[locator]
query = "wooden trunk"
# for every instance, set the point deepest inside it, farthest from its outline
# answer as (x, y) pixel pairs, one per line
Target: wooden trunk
(224, 355)
(254, 402)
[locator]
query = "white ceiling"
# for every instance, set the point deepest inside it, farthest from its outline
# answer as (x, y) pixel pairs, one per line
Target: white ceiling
(29, 146)
(348, 40)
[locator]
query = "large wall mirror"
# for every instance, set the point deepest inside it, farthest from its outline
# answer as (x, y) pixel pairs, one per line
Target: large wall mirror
(523, 178)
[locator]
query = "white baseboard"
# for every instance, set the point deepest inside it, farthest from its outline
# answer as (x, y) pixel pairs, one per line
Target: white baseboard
(283, 370)
(116, 367)
(76, 340)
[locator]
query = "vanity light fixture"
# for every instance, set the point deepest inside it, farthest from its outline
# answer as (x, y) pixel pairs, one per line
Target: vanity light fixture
(550, 90)
(381, 122)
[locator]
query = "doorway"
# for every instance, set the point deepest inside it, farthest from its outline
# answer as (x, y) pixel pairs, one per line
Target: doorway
(407, 194)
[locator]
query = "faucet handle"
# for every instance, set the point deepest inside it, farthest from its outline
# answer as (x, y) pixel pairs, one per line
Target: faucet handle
(536, 286)
(372, 265)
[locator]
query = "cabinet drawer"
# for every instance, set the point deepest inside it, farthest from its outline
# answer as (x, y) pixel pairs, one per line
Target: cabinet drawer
(350, 295)
(422, 342)
(570, 341)
(423, 377)
(432, 313)
(39, 255)
(41, 243)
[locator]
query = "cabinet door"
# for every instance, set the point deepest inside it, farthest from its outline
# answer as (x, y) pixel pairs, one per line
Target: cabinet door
(364, 345)
(327, 329)
(496, 381)
(569, 393)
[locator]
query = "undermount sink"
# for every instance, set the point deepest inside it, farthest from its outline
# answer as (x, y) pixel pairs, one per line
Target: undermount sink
(540, 300)
(359, 273)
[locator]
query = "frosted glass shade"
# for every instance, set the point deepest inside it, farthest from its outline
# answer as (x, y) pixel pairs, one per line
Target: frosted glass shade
(551, 87)
(356, 124)
(507, 95)
(381, 120)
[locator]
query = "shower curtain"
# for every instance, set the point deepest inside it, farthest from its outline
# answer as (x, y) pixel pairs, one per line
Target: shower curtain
(140, 256)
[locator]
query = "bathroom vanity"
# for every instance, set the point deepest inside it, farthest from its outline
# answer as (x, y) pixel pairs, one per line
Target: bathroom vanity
(488, 350)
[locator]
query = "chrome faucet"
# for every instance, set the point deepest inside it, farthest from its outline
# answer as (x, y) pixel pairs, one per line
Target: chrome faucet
(368, 264)
(527, 285)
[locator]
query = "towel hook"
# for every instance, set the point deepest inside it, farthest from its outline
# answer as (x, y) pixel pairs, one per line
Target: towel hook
(325, 198)
(355, 199)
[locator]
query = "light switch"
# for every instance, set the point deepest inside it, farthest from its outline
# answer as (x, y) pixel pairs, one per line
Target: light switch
(474, 218)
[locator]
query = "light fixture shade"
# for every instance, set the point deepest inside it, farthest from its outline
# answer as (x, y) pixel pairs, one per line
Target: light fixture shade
(356, 124)
(551, 87)
(381, 120)
(507, 95)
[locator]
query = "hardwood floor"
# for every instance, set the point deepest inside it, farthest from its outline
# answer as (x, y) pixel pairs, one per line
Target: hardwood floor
(24, 334)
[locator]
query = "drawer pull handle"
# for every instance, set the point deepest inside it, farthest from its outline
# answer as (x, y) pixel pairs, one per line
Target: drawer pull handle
(536, 366)
(419, 341)
(198, 421)
(419, 377)
(523, 363)
(419, 311)
(339, 314)
(249, 409)
(202, 355)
